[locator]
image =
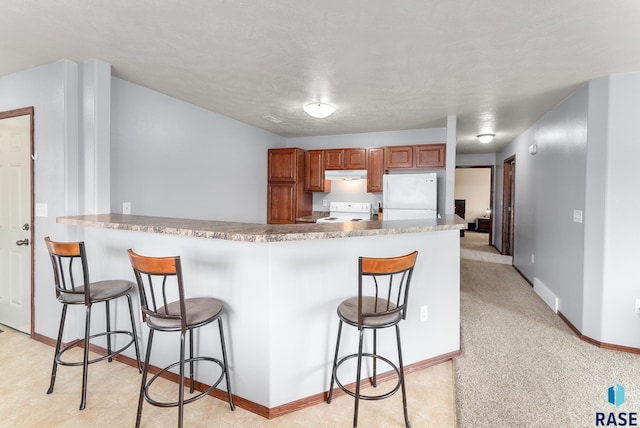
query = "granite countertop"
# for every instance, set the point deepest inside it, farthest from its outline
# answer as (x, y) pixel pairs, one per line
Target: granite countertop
(315, 215)
(254, 232)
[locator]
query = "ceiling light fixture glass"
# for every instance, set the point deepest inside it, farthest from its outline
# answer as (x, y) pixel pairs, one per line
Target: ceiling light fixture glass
(486, 138)
(319, 110)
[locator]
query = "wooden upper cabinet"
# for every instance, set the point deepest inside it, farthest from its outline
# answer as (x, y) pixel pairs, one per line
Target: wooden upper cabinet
(375, 169)
(283, 165)
(398, 157)
(345, 158)
(334, 159)
(355, 158)
(430, 156)
(314, 172)
(425, 156)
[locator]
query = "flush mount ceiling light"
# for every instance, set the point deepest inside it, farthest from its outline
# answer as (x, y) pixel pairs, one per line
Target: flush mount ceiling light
(319, 110)
(486, 138)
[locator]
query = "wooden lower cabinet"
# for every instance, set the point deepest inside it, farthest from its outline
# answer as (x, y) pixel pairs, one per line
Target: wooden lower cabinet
(281, 203)
(286, 202)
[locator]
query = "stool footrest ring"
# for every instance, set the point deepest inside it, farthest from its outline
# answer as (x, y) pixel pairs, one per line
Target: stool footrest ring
(77, 342)
(191, 399)
(367, 397)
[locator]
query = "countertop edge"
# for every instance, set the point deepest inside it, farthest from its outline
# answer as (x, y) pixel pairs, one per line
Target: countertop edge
(259, 233)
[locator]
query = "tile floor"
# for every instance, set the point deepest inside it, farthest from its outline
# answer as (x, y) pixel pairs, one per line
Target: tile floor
(25, 367)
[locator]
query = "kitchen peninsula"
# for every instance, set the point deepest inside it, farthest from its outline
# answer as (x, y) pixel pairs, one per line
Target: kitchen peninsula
(281, 285)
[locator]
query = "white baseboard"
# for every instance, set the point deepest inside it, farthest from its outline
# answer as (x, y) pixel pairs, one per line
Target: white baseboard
(545, 294)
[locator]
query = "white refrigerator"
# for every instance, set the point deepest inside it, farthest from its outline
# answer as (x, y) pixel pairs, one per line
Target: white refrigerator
(410, 196)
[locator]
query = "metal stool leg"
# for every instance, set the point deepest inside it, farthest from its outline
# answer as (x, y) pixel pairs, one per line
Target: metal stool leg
(191, 361)
(181, 383)
(135, 334)
(358, 372)
(145, 372)
(85, 365)
(375, 360)
(335, 361)
(54, 369)
(404, 392)
(226, 364)
(108, 314)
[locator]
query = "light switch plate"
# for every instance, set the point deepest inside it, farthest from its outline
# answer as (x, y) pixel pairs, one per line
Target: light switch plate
(577, 216)
(41, 210)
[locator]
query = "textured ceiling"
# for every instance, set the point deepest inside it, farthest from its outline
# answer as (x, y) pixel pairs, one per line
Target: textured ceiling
(498, 65)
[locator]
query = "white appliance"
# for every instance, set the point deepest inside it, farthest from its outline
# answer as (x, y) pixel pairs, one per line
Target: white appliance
(340, 212)
(345, 174)
(410, 196)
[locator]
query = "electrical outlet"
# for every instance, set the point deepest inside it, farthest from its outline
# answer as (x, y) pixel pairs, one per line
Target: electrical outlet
(638, 306)
(325, 202)
(424, 313)
(126, 208)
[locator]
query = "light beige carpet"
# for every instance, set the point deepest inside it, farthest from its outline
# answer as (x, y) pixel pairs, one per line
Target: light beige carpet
(475, 246)
(521, 366)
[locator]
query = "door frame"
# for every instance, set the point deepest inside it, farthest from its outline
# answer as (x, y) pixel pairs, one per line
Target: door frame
(491, 188)
(6, 115)
(508, 198)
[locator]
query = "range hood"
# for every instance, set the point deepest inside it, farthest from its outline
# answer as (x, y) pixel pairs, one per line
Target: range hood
(345, 174)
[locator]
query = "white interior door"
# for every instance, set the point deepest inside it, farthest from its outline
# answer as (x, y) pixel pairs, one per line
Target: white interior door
(15, 222)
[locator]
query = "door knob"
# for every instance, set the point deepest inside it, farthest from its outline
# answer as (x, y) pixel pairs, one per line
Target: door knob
(24, 241)
(25, 226)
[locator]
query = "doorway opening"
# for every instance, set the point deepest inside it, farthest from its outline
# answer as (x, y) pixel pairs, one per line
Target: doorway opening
(508, 197)
(16, 219)
(474, 198)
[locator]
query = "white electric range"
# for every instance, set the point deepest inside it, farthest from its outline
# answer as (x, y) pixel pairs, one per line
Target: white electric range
(340, 212)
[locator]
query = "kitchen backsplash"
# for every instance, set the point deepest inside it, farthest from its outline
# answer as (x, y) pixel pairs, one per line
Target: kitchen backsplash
(346, 191)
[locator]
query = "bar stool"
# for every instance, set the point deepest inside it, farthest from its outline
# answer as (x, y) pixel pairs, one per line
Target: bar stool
(74, 288)
(383, 290)
(152, 275)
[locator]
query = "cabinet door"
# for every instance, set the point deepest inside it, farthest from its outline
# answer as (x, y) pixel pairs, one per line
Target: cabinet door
(314, 172)
(281, 203)
(429, 156)
(375, 169)
(396, 157)
(355, 158)
(334, 159)
(282, 164)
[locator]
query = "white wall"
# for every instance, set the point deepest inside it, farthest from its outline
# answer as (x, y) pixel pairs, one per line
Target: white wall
(587, 147)
(620, 285)
(53, 92)
(549, 186)
(157, 144)
(173, 159)
(480, 159)
(596, 183)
